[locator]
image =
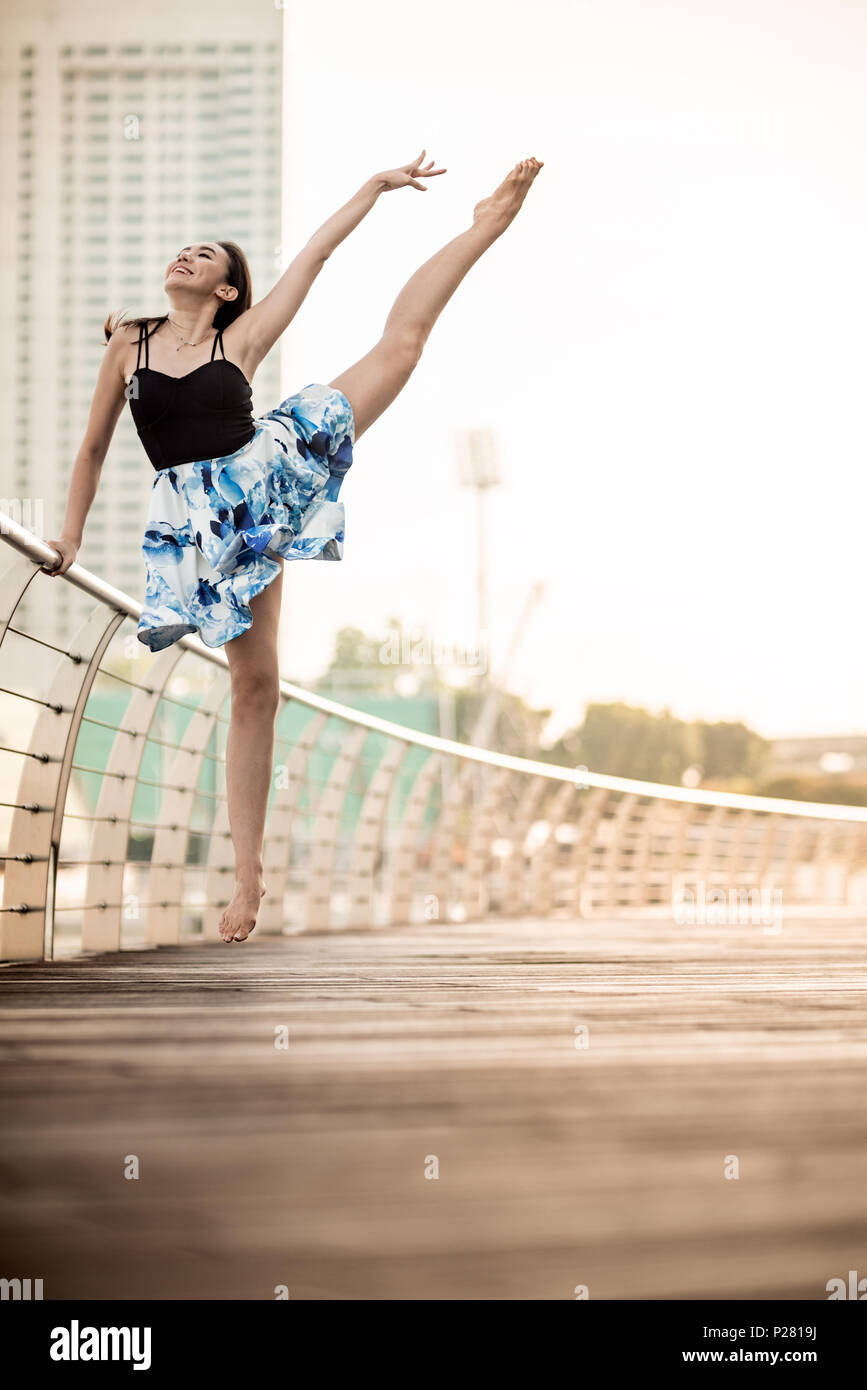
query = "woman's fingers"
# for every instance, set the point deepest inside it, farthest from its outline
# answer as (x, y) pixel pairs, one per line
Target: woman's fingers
(415, 171)
(63, 562)
(415, 166)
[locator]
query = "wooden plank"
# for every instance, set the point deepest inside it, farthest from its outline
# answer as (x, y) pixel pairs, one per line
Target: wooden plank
(558, 1165)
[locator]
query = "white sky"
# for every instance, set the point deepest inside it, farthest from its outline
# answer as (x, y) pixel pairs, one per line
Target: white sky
(669, 341)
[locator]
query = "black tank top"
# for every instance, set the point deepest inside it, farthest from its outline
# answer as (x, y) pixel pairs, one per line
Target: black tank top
(205, 414)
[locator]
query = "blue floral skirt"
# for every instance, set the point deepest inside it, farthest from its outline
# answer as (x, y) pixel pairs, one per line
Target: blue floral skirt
(217, 529)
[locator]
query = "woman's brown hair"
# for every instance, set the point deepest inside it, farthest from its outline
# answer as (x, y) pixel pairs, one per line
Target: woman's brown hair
(229, 310)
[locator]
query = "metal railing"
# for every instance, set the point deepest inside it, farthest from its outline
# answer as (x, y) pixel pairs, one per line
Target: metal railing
(114, 826)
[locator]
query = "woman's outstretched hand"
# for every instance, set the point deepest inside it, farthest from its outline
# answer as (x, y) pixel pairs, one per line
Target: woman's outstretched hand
(408, 175)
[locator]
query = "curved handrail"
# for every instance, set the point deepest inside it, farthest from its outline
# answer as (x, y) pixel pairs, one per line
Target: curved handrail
(368, 817)
(38, 550)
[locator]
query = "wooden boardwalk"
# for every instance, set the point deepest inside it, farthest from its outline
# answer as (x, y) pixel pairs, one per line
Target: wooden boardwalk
(558, 1165)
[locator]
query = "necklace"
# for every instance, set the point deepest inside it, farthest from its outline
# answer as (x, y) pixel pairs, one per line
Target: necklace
(185, 342)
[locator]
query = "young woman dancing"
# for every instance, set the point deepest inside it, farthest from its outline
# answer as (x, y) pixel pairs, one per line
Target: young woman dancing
(235, 496)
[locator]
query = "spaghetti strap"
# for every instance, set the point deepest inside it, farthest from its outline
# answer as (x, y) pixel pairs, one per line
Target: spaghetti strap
(143, 336)
(218, 339)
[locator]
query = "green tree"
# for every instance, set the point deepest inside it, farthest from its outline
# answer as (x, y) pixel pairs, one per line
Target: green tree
(730, 750)
(628, 741)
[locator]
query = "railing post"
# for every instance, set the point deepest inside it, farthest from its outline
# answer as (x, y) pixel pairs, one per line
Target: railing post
(102, 927)
(798, 831)
(543, 860)
(612, 842)
(639, 847)
(400, 874)
(440, 880)
(590, 813)
(326, 830)
(704, 870)
(822, 859)
(367, 843)
(736, 849)
(15, 577)
(681, 825)
(172, 837)
(474, 887)
(35, 836)
(515, 870)
(856, 861)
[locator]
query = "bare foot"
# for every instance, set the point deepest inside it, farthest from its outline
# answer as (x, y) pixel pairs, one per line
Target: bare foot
(239, 916)
(503, 204)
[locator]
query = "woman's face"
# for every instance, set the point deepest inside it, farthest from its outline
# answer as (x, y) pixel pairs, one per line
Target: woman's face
(203, 267)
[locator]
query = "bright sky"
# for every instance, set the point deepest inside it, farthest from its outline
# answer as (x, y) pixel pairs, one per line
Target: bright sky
(669, 342)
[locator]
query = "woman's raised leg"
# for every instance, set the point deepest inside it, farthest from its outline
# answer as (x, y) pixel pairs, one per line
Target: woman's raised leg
(255, 690)
(372, 383)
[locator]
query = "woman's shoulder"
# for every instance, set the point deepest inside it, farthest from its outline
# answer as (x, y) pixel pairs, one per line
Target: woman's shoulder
(128, 331)
(123, 345)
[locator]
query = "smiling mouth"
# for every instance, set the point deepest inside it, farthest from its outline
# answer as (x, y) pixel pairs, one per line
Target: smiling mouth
(179, 270)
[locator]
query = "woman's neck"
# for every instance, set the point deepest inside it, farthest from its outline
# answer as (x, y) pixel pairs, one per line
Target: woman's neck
(192, 328)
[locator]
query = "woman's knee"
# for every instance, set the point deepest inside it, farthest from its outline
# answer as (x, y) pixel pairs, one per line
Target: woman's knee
(256, 692)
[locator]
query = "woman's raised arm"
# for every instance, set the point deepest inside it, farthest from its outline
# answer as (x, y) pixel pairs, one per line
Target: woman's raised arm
(264, 323)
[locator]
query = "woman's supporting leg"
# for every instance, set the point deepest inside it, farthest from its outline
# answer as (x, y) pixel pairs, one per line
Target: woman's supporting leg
(255, 680)
(372, 383)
